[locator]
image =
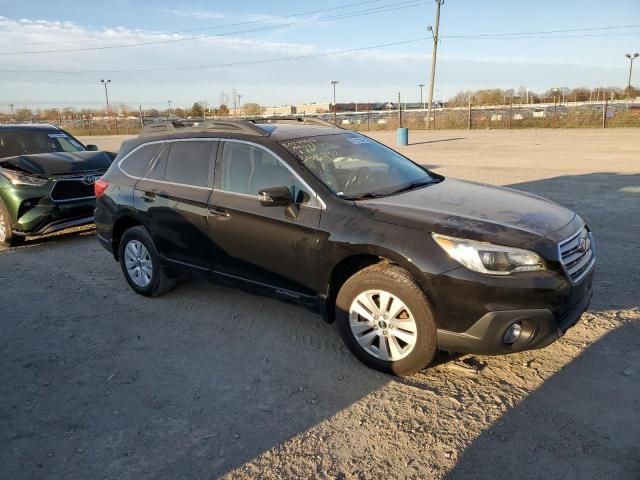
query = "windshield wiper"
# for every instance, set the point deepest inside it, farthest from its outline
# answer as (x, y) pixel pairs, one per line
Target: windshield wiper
(364, 196)
(411, 186)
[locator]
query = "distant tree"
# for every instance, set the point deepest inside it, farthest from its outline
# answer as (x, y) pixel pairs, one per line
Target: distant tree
(579, 94)
(23, 114)
(252, 109)
(223, 110)
(197, 110)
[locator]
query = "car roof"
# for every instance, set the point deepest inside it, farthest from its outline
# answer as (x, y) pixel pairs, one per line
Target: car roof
(279, 129)
(283, 133)
(28, 126)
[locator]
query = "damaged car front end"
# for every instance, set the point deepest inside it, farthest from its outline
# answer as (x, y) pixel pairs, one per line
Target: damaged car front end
(42, 193)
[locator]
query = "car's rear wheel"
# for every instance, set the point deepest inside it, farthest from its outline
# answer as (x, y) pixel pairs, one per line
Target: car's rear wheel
(385, 319)
(141, 265)
(7, 237)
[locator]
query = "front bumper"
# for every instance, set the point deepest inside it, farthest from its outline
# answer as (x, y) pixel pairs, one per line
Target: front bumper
(541, 327)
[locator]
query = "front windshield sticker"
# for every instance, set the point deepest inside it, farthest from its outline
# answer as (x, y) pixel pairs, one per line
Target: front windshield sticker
(358, 140)
(57, 135)
(306, 149)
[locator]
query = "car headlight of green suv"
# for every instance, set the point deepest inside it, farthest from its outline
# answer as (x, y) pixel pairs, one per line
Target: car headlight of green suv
(488, 258)
(22, 179)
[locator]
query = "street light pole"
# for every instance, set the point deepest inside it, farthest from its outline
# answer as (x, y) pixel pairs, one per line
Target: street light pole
(631, 59)
(11, 105)
(106, 94)
(421, 87)
(239, 105)
(334, 83)
(434, 54)
(169, 114)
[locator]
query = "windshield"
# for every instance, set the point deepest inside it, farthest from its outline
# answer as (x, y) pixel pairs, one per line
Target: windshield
(27, 141)
(354, 166)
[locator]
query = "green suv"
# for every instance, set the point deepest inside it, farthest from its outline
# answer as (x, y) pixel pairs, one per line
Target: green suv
(46, 181)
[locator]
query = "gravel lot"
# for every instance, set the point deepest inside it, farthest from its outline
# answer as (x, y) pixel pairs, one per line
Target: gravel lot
(208, 382)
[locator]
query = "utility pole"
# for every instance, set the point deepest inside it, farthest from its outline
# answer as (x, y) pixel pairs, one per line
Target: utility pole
(106, 94)
(335, 107)
(399, 111)
(169, 113)
(11, 105)
(421, 101)
(239, 105)
(434, 54)
(141, 117)
(631, 59)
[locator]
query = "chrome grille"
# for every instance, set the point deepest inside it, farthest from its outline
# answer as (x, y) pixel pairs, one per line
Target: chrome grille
(577, 254)
(72, 189)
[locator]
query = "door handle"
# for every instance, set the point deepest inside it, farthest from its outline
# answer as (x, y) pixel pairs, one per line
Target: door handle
(148, 196)
(219, 212)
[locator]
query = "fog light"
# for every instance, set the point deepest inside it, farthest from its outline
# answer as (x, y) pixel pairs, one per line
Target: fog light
(513, 333)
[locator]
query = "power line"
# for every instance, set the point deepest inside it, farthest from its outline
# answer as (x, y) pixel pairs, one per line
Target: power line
(278, 59)
(357, 13)
(214, 27)
(544, 32)
(225, 65)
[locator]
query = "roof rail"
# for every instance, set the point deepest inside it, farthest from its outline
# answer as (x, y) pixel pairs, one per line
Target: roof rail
(295, 119)
(239, 126)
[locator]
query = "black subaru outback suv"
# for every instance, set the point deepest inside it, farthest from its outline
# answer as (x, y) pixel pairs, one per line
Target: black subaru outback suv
(404, 260)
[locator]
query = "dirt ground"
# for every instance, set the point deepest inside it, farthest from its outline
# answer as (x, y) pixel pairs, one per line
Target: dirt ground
(207, 382)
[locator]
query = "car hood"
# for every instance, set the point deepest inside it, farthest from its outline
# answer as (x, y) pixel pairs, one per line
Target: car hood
(60, 163)
(471, 210)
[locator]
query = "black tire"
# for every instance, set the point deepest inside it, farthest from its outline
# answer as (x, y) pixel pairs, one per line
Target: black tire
(7, 237)
(397, 282)
(161, 282)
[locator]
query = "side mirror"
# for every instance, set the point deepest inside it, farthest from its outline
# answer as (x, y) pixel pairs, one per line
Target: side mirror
(92, 148)
(275, 197)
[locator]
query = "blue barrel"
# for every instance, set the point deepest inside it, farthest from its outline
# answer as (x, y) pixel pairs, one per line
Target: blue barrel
(403, 136)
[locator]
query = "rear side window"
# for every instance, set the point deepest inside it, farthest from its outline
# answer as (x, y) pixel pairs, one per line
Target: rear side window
(189, 163)
(138, 161)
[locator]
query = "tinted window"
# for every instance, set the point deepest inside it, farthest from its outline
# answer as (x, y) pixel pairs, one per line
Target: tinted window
(159, 165)
(138, 161)
(247, 169)
(189, 163)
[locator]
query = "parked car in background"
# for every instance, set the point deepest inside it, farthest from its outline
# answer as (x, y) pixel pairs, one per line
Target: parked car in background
(46, 180)
(405, 260)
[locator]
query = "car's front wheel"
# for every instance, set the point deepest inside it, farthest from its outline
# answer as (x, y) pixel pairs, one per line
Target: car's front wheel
(385, 319)
(140, 262)
(7, 237)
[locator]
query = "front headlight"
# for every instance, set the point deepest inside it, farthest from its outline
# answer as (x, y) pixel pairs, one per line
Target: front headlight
(17, 178)
(488, 258)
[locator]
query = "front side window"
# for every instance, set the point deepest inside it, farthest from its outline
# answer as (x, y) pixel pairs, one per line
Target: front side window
(247, 169)
(32, 141)
(353, 166)
(189, 162)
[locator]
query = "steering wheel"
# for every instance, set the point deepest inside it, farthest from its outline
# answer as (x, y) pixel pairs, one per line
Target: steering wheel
(362, 176)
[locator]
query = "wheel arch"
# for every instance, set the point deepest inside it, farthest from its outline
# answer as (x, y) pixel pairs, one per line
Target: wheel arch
(121, 225)
(353, 263)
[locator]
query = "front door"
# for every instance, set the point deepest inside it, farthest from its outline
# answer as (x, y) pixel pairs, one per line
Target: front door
(276, 246)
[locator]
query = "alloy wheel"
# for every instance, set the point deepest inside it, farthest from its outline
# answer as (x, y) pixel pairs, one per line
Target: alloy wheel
(383, 325)
(138, 263)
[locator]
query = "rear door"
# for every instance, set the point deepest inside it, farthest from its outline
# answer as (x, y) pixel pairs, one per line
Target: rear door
(174, 196)
(263, 244)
